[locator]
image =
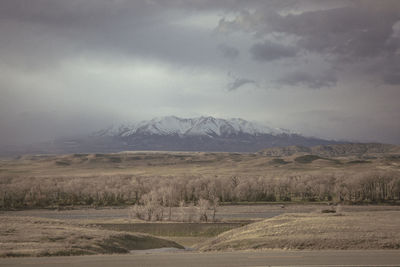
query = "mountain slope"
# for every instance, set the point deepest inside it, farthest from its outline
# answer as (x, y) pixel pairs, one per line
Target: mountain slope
(199, 134)
(177, 134)
(201, 126)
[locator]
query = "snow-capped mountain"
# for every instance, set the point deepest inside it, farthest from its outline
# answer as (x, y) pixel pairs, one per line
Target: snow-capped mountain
(177, 134)
(201, 126)
(193, 134)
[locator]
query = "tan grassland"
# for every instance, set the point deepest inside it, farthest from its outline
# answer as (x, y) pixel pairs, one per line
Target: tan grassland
(126, 178)
(171, 186)
(30, 236)
(361, 230)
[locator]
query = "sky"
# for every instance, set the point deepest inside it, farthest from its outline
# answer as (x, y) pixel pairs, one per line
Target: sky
(328, 69)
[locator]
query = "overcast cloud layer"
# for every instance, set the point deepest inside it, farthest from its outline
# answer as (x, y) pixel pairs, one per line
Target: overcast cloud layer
(322, 68)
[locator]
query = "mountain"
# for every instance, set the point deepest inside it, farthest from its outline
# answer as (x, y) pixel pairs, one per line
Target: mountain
(197, 134)
(202, 126)
(177, 134)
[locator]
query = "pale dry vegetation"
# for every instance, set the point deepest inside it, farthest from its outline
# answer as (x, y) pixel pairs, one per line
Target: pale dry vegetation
(28, 236)
(195, 187)
(159, 181)
(361, 230)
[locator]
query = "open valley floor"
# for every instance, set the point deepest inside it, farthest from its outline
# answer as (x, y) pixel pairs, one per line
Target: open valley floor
(200, 209)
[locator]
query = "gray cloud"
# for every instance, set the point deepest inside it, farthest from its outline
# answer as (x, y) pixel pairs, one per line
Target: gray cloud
(69, 67)
(349, 34)
(34, 38)
(228, 51)
(356, 124)
(269, 51)
(313, 81)
(388, 68)
(392, 78)
(239, 82)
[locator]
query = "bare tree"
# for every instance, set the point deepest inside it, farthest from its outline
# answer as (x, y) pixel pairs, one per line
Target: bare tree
(203, 206)
(215, 204)
(182, 210)
(168, 195)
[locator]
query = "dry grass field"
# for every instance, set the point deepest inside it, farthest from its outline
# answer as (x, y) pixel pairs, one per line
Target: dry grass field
(32, 236)
(185, 163)
(132, 177)
(85, 231)
(359, 230)
(86, 202)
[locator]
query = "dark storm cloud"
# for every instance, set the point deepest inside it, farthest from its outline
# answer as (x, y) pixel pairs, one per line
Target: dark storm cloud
(76, 13)
(239, 82)
(387, 66)
(392, 78)
(43, 33)
(269, 51)
(354, 31)
(314, 81)
(228, 51)
(71, 66)
(360, 30)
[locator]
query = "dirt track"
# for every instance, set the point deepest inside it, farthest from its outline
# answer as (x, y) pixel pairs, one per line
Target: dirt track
(260, 258)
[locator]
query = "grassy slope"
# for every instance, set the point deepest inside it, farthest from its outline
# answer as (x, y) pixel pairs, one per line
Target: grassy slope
(179, 164)
(361, 230)
(28, 236)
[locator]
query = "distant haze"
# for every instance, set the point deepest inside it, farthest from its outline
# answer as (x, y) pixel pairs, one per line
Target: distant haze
(329, 69)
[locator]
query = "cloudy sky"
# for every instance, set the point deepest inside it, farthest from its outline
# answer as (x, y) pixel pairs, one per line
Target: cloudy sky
(322, 68)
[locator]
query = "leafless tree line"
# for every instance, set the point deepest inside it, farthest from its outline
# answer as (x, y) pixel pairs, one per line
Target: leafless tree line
(152, 208)
(151, 193)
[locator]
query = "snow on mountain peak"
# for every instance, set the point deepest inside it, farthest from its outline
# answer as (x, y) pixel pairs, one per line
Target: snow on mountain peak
(208, 126)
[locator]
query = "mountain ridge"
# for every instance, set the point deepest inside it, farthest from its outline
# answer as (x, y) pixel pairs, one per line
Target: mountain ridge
(209, 126)
(204, 133)
(171, 133)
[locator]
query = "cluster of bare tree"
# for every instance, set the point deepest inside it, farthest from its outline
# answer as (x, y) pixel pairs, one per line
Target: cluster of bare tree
(152, 208)
(151, 193)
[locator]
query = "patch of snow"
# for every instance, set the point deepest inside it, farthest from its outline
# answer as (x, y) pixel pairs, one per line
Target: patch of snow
(209, 126)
